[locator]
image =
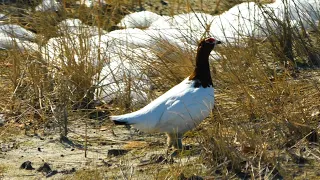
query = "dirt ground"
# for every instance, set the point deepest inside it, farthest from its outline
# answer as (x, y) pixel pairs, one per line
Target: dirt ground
(115, 152)
(64, 156)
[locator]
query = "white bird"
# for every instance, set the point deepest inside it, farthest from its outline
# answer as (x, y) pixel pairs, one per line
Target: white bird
(181, 108)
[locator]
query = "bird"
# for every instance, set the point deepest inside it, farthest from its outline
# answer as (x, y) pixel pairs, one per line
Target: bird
(181, 108)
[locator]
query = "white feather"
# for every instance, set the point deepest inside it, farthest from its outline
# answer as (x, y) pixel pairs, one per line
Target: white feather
(178, 110)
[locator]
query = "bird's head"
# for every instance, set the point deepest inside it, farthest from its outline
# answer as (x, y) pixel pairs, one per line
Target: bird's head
(208, 43)
(202, 70)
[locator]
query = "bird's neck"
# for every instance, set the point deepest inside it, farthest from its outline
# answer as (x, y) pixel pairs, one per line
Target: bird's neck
(201, 73)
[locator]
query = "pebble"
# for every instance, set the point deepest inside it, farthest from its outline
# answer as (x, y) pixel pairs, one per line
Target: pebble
(117, 152)
(26, 165)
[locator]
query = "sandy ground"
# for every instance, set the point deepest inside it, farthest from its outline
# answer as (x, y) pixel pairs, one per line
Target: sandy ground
(68, 157)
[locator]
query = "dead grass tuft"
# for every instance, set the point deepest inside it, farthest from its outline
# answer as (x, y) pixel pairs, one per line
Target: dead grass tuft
(87, 174)
(3, 169)
(262, 109)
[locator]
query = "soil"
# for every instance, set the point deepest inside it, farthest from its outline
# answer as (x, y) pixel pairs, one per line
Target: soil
(106, 145)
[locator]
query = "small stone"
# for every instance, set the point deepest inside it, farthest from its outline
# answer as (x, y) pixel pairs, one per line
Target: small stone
(51, 173)
(26, 165)
(2, 120)
(181, 177)
(243, 175)
(311, 137)
(103, 143)
(218, 171)
(72, 170)
(117, 152)
(194, 177)
(188, 147)
(44, 168)
(106, 163)
(98, 115)
(155, 158)
(4, 148)
(163, 2)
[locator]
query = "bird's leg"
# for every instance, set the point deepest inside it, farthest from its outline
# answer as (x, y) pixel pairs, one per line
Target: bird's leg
(170, 138)
(178, 142)
(175, 140)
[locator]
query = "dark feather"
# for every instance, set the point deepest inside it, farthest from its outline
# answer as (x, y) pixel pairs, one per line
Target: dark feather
(116, 122)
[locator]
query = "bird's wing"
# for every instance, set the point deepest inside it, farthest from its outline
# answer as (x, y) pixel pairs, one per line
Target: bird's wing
(183, 104)
(146, 118)
(185, 110)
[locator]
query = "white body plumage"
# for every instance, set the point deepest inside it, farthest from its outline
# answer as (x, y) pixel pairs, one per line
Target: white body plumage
(178, 110)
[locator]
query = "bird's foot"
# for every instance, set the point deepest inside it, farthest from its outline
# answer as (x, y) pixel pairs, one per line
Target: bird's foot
(173, 152)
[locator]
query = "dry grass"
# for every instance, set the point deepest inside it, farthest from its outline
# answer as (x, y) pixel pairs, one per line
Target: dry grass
(261, 113)
(10, 131)
(266, 110)
(88, 175)
(2, 170)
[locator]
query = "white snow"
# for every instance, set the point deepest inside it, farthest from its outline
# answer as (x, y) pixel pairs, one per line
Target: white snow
(2, 16)
(304, 13)
(65, 50)
(248, 19)
(14, 36)
(7, 42)
(122, 78)
(92, 3)
(127, 53)
(76, 27)
(141, 19)
(48, 5)
(163, 22)
(16, 31)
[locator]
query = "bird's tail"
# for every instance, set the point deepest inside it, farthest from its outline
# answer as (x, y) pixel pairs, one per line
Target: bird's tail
(119, 120)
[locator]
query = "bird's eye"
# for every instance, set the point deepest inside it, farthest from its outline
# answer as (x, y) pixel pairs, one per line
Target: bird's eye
(210, 40)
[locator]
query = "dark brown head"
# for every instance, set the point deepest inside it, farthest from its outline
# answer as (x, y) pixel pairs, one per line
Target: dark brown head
(201, 73)
(206, 45)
